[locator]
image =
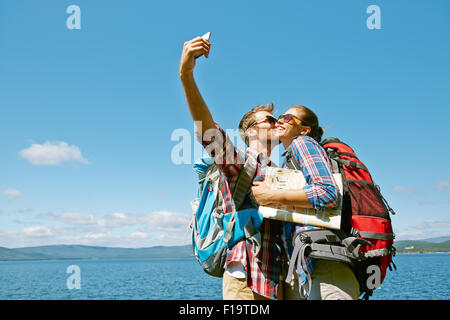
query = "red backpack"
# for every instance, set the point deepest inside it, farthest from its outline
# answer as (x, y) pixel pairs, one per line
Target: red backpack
(365, 240)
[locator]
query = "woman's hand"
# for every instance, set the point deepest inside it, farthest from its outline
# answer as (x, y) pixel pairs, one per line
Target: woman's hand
(191, 50)
(262, 193)
(265, 196)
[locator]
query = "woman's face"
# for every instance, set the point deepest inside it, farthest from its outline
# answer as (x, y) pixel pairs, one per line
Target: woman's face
(289, 126)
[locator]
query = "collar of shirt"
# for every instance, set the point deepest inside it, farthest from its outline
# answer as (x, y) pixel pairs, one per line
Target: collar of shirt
(262, 160)
(259, 156)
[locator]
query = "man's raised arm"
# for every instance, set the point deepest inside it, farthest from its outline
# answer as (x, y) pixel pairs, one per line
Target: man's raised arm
(197, 106)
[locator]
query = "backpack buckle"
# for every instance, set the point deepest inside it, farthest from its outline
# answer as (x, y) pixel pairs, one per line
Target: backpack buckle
(305, 238)
(355, 232)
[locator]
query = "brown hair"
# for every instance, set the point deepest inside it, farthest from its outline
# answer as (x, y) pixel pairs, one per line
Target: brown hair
(249, 119)
(309, 119)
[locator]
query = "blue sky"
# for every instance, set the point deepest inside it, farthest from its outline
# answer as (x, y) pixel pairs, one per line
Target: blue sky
(86, 116)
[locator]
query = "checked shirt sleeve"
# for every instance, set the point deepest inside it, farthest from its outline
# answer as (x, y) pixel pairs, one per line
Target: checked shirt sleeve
(321, 188)
(222, 150)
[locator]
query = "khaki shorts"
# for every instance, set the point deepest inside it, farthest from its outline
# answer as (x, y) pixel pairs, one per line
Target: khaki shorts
(330, 281)
(333, 280)
(237, 289)
(291, 290)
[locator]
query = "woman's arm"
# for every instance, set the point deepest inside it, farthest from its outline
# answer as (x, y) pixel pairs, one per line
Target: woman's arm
(320, 190)
(265, 196)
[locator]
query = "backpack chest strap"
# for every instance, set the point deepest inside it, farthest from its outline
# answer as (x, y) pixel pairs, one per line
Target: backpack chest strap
(244, 181)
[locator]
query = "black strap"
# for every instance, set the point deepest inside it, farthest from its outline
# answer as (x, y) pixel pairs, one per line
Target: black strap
(244, 181)
(291, 161)
(333, 140)
(330, 140)
(376, 235)
(347, 154)
(354, 164)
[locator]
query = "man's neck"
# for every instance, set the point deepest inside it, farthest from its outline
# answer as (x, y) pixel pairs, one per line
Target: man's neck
(264, 148)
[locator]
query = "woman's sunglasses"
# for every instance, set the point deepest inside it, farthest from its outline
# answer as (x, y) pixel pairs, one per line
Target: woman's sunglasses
(288, 118)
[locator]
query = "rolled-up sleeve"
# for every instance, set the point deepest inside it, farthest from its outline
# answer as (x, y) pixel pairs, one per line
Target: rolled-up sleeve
(321, 189)
(222, 150)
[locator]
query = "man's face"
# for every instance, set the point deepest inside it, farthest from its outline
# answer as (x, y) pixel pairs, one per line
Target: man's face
(264, 126)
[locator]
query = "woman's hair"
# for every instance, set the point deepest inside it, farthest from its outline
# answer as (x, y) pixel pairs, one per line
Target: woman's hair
(309, 119)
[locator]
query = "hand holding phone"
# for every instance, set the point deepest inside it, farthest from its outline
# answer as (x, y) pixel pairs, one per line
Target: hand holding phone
(206, 36)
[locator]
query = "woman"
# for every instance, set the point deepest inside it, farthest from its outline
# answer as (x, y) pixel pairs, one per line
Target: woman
(298, 128)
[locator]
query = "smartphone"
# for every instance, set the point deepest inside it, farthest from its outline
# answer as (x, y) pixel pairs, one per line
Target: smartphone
(206, 36)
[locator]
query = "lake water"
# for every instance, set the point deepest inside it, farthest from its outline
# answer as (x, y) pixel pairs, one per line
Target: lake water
(418, 276)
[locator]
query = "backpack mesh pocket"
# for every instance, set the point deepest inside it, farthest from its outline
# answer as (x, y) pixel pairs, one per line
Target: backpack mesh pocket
(366, 199)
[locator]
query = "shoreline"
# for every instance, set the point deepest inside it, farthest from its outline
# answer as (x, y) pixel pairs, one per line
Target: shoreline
(418, 252)
(161, 258)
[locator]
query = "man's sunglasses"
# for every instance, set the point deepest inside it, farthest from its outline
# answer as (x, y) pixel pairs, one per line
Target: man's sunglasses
(288, 118)
(269, 119)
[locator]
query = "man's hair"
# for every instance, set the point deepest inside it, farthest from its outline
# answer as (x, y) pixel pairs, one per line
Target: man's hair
(249, 119)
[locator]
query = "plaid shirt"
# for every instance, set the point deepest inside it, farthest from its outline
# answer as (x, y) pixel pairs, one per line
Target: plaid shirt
(320, 188)
(264, 269)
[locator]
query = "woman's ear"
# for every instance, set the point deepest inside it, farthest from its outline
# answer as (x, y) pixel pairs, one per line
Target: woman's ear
(305, 131)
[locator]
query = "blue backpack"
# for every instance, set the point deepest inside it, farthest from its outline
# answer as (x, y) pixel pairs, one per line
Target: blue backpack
(214, 232)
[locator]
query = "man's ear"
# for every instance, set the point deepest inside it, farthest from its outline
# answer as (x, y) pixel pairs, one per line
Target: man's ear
(251, 133)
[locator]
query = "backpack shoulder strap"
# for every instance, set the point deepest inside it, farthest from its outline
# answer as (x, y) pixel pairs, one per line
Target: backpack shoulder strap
(291, 161)
(330, 140)
(244, 181)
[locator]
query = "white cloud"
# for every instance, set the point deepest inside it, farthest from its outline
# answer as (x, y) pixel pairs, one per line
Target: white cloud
(95, 236)
(11, 193)
(108, 221)
(139, 235)
(115, 220)
(442, 186)
(407, 190)
(154, 221)
(166, 221)
(173, 238)
(37, 231)
(77, 218)
(420, 235)
(433, 224)
(115, 230)
(52, 153)
(426, 229)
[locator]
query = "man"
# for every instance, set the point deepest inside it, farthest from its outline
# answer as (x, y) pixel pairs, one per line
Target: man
(248, 275)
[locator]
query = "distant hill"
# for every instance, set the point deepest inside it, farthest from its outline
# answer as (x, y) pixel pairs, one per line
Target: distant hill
(421, 246)
(90, 252)
(12, 254)
(438, 239)
(441, 244)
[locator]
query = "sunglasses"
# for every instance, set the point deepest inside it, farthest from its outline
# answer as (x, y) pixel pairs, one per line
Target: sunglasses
(288, 118)
(269, 119)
